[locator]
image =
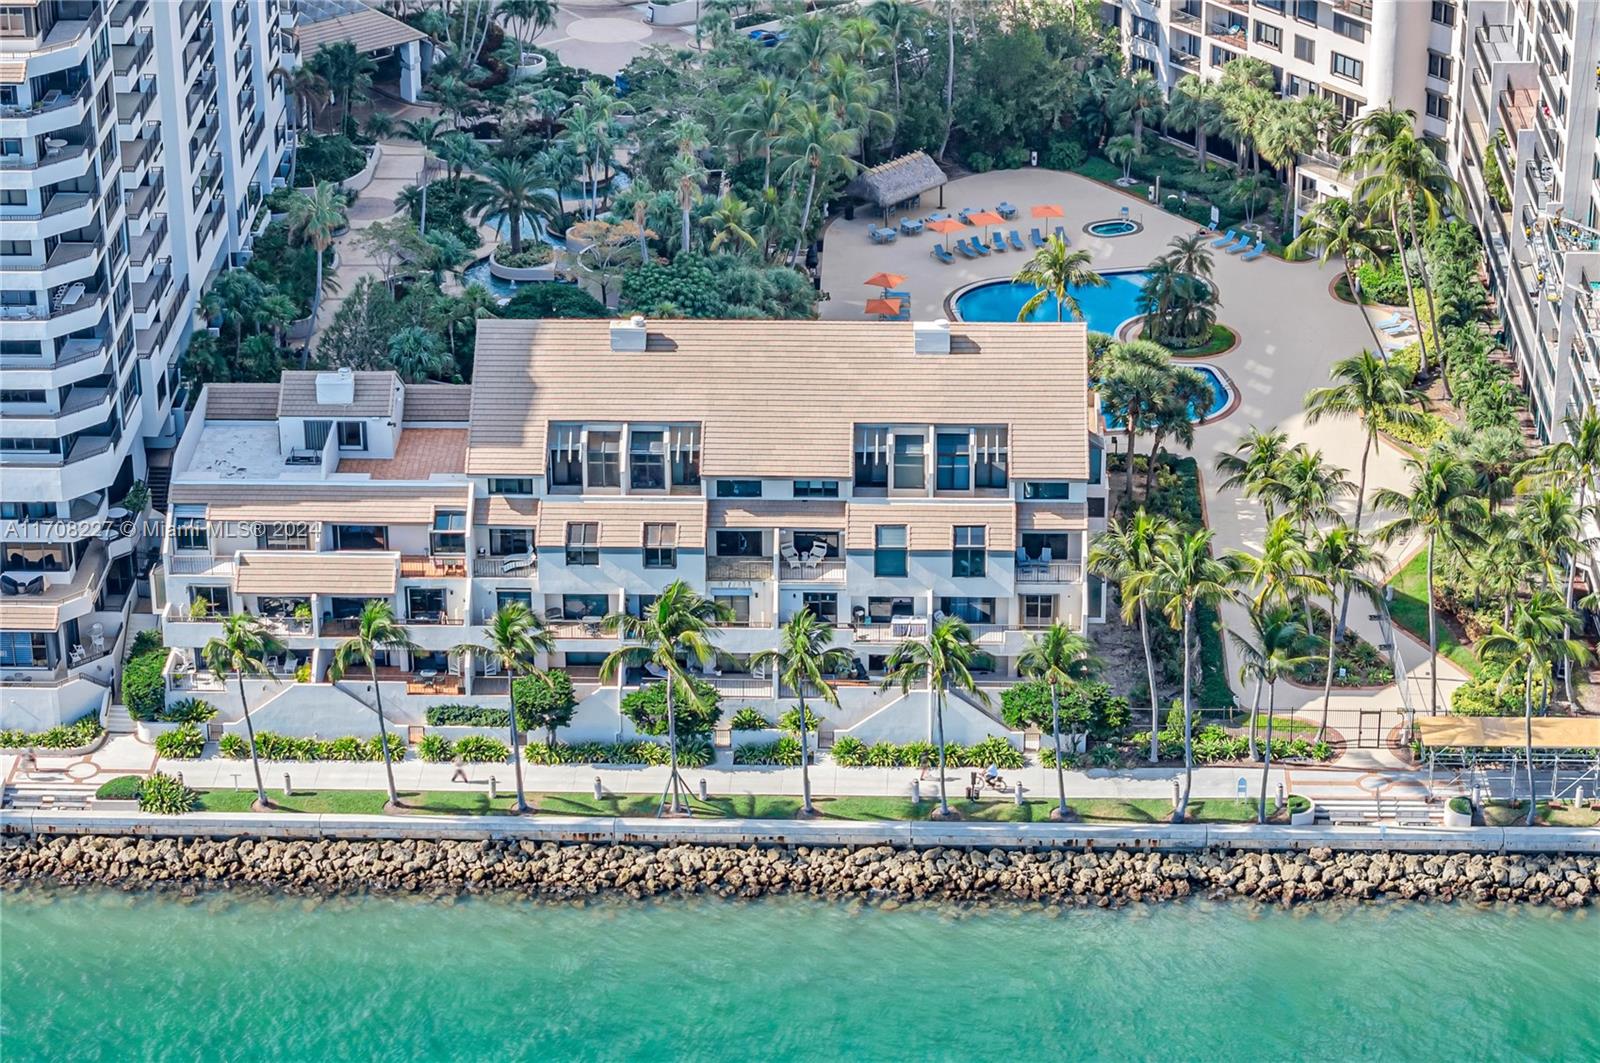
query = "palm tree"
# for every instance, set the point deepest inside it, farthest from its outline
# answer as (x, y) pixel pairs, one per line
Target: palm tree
(306, 88)
(1196, 107)
(1139, 100)
(426, 132)
(1532, 642)
(1441, 507)
(532, 16)
(1058, 657)
(1253, 463)
(677, 627)
(1307, 486)
(942, 659)
(815, 147)
(513, 190)
(1190, 255)
(1275, 646)
(1056, 271)
(377, 632)
(761, 119)
(242, 650)
(1337, 228)
(1119, 553)
(1287, 133)
(1244, 116)
(313, 219)
(1341, 559)
(1185, 391)
(1135, 377)
(1181, 577)
(803, 661)
(1125, 151)
(513, 639)
(898, 19)
(1575, 463)
(1373, 392)
(1283, 573)
(1373, 136)
(730, 225)
(347, 71)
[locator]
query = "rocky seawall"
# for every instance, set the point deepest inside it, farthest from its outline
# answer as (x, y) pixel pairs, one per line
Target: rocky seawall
(883, 873)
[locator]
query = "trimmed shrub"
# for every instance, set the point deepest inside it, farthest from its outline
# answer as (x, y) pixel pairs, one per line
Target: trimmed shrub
(790, 721)
(328, 158)
(552, 300)
(475, 749)
(73, 735)
(466, 716)
(164, 795)
(749, 718)
(546, 701)
(271, 746)
(1089, 706)
(122, 788)
(187, 710)
(1461, 806)
(144, 692)
(534, 253)
(184, 743)
(435, 748)
(853, 753)
(785, 751)
(1299, 804)
(647, 708)
(849, 752)
(234, 747)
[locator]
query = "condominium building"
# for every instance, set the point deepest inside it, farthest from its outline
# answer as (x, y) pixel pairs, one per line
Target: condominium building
(136, 140)
(881, 475)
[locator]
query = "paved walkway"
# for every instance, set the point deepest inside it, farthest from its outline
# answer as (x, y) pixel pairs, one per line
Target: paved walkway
(604, 36)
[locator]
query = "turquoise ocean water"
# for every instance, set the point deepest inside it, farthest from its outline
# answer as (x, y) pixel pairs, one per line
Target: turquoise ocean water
(99, 975)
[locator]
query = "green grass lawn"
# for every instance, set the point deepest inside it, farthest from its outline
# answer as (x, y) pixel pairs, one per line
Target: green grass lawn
(1282, 726)
(1222, 337)
(1410, 611)
(1507, 814)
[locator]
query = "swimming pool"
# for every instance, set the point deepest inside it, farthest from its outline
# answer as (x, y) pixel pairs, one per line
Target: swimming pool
(1105, 309)
(1112, 227)
(1221, 398)
(478, 273)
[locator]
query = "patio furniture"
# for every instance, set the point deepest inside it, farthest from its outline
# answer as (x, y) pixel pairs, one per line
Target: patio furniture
(904, 299)
(942, 255)
(429, 677)
(555, 614)
(966, 252)
(1391, 321)
(881, 236)
(71, 296)
(77, 655)
(814, 559)
(791, 556)
(1016, 241)
(999, 241)
(910, 226)
(1223, 241)
(978, 246)
(1006, 210)
(1238, 245)
(935, 216)
(654, 670)
(1255, 252)
(1061, 234)
(966, 213)
(1037, 237)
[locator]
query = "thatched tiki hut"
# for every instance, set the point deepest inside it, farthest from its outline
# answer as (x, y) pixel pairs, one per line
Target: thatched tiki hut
(894, 182)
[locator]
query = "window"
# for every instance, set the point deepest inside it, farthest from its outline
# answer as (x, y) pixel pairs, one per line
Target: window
(1345, 67)
(584, 606)
(910, 473)
(1097, 461)
(189, 529)
(1038, 610)
(425, 604)
(516, 485)
(1345, 26)
(18, 297)
(566, 455)
(1305, 49)
(283, 535)
(824, 605)
(22, 395)
(647, 461)
(27, 510)
(1097, 506)
(970, 610)
(35, 557)
(989, 458)
(1273, 5)
(889, 550)
(738, 488)
(1438, 106)
(737, 606)
(1144, 29)
(1299, 86)
(967, 555)
(510, 542)
(449, 534)
(1348, 105)
(1269, 35)
(352, 435)
(16, 247)
(816, 489)
(1221, 56)
(739, 544)
(1039, 491)
(503, 598)
(884, 610)
(604, 452)
(685, 457)
(215, 599)
(583, 543)
(954, 464)
(1440, 66)
(660, 546)
(872, 457)
(1306, 11)
(1444, 12)
(26, 649)
(360, 537)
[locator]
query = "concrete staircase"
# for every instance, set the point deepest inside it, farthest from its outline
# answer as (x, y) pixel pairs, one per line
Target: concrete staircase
(117, 720)
(158, 478)
(1372, 811)
(46, 792)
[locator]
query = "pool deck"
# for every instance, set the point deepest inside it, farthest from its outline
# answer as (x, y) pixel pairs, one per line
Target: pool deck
(1291, 330)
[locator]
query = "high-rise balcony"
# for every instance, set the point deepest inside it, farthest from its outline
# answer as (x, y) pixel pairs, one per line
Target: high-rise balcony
(147, 196)
(129, 59)
(148, 244)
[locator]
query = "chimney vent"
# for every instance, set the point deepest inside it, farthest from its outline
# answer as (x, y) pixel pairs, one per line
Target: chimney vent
(338, 388)
(628, 335)
(931, 337)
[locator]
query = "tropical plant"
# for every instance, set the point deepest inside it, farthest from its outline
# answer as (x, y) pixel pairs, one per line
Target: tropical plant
(802, 662)
(242, 650)
(1120, 553)
(513, 639)
(1341, 559)
(314, 217)
(1273, 648)
(1059, 658)
(426, 131)
(1057, 272)
(1253, 464)
(512, 190)
(943, 660)
(1337, 228)
(816, 147)
(348, 73)
(377, 632)
(166, 795)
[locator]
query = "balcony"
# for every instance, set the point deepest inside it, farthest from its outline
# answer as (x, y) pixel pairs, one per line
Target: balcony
(148, 292)
(133, 106)
(1361, 9)
(242, 58)
(139, 151)
(423, 566)
(1493, 44)
(204, 137)
(144, 247)
(739, 569)
(52, 157)
(433, 620)
(1184, 61)
(204, 91)
(1233, 34)
(1517, 110)
(1049, 572)
(187, 564)
(148, 195)
(421, 683)
(206, 180)
(241, 15)
(127, 12)
(804, 570)
(127, 59)
(52, 101)
(519, 565)
(1186, 18)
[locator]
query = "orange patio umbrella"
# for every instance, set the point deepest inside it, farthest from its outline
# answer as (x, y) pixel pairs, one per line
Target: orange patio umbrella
(883, 307)
(1049, 210)
(985, 218)
(885, 280)
(946, 226)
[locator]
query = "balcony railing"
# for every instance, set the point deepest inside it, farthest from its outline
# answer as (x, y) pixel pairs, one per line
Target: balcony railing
(126, 11)
(1049, 571)
(54, 100)
(140, 150)
(742, 569)
(516, 565)
(182, 564)
(126, 58)
(152, 340)
(148, 292)
(828, 568)
(415, 566)
(1184, 60)
(590, 628)
(434, 620)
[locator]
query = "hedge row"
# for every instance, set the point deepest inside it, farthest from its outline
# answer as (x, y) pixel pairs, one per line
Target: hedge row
(850, 752)
(64, 736)
(270, 746)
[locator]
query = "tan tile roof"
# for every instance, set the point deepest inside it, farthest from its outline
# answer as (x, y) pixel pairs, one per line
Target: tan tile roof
(1052, 516)
(302, 572)
(13, 71)
(342, 502)
(241, 402)
(29, 614)
(780, 398)
(374, 396)
(421, 453)
(437, 402)
(929, 523)
(622, 521)
(368, 30)
(499, 511)
(776, 513)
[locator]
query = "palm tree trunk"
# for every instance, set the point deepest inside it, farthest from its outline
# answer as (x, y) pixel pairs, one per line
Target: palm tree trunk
(422, 223)
(250, 732)
(1200, 148)
(1289, 201)
(1266, 761)
(938, 718)
(1150, 678)
(1411, 294)
(1188, 727)
(805, 770)
(1129, 414)
(1433, 310)
(1327, 680)
(1055, 729)
(805, 215)
(1255, 713)
(1377, 341)
(521, 805)
(672, 755)
(383, 734)
(1572, 581)
(949, 74)
(1433, 640)
(1150, 470)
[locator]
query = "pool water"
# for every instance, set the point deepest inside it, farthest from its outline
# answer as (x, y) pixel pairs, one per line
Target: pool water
(1105, 309)
(1112, 228)
(1221, 396)
(478, 273)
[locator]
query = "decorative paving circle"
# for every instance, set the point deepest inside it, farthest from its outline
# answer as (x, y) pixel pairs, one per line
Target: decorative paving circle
(607, 30)
(82, 770)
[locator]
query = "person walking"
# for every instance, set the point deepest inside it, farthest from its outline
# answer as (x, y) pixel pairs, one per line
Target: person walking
(924, 764)
(460, 774)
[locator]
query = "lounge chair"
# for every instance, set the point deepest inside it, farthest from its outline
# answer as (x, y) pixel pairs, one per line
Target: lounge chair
(1238, 245)
(1255, 252)
(1037, 237)
(942, 255)
(966, 249)
(999, 241)
(977, 245)
(1061, 234)
(1398, 330)
(1389, 322)
(1222, 241)
(965, 214)
(1016, 241)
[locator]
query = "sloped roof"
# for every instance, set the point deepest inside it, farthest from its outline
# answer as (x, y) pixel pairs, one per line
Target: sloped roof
(368, 30)
(343, 502)
(898, 179)
(374, 395)
(1508, 732)
(437, 402)
(303, 572)
(622, 520)
(241, 402)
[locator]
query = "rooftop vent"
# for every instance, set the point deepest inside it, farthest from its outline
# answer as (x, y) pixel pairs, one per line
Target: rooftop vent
(628, 335)
(338, 388)
(931, 337)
